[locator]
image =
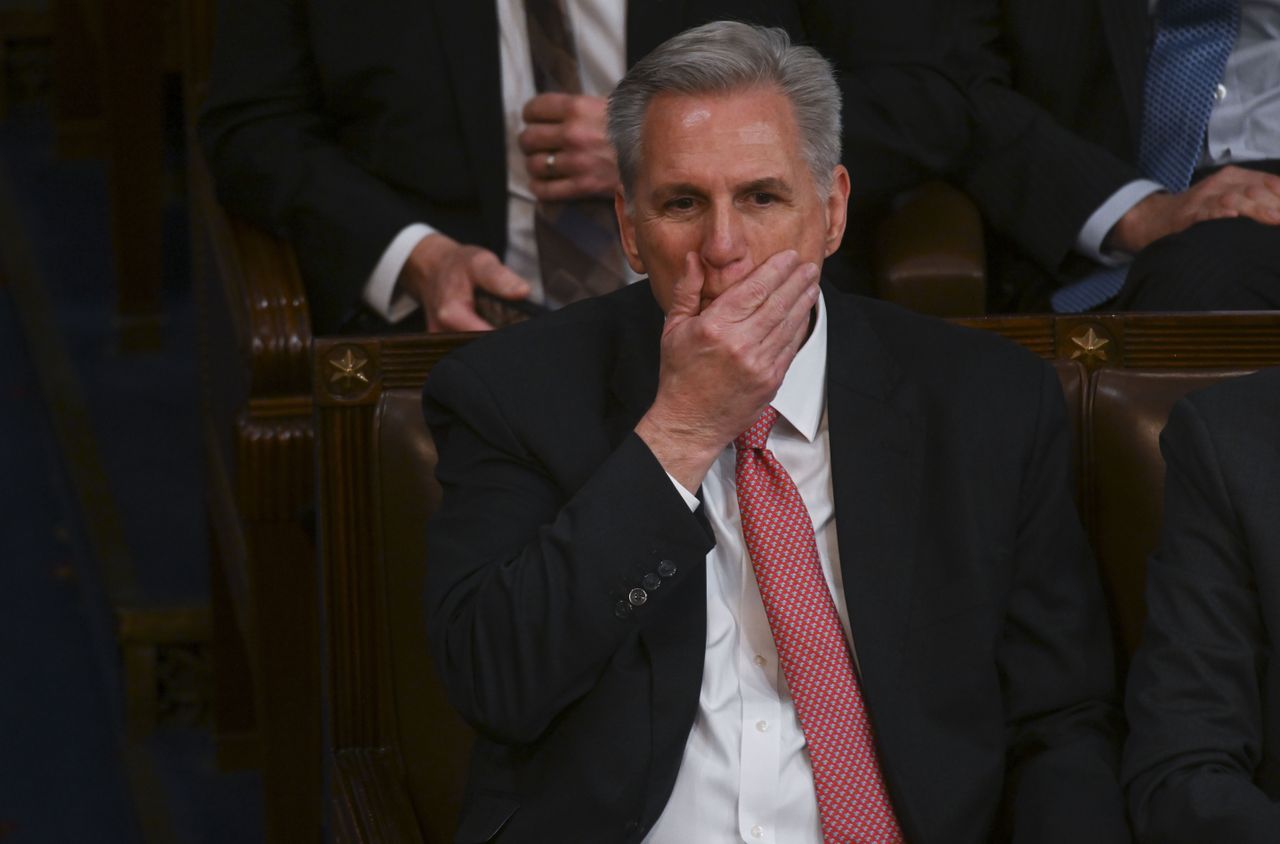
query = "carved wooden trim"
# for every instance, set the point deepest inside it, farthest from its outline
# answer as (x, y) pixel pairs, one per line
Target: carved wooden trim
(275, 459)
(355, 370)
(349, 372)
(1148, 340)
(369, 800)
(265, 296)
(360, 700)
(349, 376)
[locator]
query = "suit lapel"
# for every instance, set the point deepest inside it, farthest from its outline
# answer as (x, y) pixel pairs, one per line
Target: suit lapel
(469, 39)
(875, 433)
(1127, 26)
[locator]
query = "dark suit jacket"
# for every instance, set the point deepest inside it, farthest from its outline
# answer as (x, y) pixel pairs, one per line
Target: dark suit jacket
(1203, 761)
(336, 126)
(980, 628)
(1056, 90)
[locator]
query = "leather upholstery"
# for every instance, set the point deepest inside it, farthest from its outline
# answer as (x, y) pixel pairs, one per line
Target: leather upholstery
(1074, 381)
(1126, 410)
(1118, 415)
(930, 255)
(434, 741)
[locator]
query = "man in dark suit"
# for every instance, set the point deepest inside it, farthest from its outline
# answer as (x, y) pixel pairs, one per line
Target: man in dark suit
(599, 600)
(341, 127)
(350, 131)
(1202, 763)
(1059, 92)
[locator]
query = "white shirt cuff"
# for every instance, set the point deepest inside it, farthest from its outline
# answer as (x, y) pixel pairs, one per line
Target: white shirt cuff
(689, 498)
(1095, 229)
(380, 291)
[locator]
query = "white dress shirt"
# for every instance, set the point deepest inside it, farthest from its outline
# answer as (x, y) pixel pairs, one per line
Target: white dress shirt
(1243, 126)
(745, 775)
(599, 28)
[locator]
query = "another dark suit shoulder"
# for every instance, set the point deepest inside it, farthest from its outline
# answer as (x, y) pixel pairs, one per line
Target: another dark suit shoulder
(945, 358)
(1248, 406)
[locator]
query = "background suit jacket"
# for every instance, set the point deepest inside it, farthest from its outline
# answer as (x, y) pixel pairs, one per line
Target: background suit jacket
(338, 124)
(980, 629)
(1056, 92)
(1203, 761)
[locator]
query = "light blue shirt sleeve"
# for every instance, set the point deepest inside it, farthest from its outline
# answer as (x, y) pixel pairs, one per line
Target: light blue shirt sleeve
(1098, 226)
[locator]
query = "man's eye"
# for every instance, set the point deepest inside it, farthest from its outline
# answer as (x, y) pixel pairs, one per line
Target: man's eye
(680, 203)
(761, 198)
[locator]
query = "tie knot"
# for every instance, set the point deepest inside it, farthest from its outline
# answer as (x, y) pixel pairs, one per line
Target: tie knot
(758, 434)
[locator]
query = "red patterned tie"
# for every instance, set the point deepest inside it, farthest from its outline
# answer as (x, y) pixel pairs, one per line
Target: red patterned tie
(852, 798)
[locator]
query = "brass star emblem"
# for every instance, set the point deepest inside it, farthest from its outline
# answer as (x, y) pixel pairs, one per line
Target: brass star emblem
(348, 369)
(1092, 346)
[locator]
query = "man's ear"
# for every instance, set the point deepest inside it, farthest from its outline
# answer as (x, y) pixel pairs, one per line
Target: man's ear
(627, 231)
(837, 209)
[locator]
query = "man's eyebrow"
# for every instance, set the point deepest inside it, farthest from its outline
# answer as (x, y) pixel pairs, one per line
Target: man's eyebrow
(677, 189)
(769, 184)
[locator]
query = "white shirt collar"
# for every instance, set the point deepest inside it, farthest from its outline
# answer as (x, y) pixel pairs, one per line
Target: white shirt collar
(803, 394)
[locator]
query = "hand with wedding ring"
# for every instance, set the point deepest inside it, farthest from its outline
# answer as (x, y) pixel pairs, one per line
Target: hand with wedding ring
(566, 150)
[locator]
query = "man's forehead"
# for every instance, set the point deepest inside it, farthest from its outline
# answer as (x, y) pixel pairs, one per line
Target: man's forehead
(699, 107)
(679, 123)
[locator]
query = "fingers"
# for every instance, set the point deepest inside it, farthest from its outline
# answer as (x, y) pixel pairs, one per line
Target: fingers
(452, 304)
(455, 310)
(548, 108)
(745, 297)
(567, 153)
(686, 292)
(1258, 202)
(492, 275)
(786, 338)
(556, 121)
(769, 310)
(1236, 192)
(570, 175)
(541, 138)
(456, 317)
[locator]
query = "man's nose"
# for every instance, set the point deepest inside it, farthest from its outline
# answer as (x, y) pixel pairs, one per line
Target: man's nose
(723, 241)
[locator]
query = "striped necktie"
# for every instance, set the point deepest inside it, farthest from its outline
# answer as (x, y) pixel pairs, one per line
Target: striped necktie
(579, 254)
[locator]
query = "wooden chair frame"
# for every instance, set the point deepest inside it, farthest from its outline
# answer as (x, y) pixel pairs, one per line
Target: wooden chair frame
(369, 801)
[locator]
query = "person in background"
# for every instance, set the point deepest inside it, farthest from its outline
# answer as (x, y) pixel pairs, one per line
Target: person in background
(424, 158)
(708, 564)
(1126, 154)
(1202, 763)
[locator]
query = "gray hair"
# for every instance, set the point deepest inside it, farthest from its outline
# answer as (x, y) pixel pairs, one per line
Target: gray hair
(723, 57)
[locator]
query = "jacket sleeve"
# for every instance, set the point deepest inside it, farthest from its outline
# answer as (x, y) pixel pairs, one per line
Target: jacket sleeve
(529, 571)
(1195, 696)
(276, 159)
(1055, 659)
(1035, 179)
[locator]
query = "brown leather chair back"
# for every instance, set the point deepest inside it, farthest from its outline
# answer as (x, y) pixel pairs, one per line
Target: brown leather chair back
(1074, 381)
(397, 754)
(1125, 412)
(435, 742)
